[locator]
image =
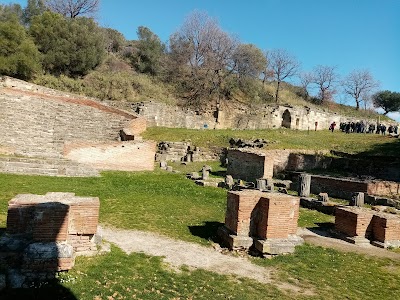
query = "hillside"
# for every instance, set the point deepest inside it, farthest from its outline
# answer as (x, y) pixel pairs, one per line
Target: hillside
(114, 80)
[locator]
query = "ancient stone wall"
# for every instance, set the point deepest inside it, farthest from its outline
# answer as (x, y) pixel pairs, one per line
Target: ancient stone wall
(123, 156)
(335, 187)
(266, 220)
(237, 117)
(344, 187)
(358, 224)
(44, 234)
(249, 165)
(354, 221)
(48, 167)
(185, 151)
(384, 188)
(38, 122)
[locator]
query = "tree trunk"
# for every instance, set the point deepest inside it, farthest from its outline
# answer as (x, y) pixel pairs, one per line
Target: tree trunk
(304, 185)
(277, 92)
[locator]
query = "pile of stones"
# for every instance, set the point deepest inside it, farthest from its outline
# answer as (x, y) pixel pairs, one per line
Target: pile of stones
(239, 143)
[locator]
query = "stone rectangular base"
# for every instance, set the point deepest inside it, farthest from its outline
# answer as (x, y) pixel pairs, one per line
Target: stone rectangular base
(234, 241)
(387, 244)
(357, 240)
(278, 246)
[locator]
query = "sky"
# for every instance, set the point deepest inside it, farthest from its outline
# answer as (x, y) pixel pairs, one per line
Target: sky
(347, 34)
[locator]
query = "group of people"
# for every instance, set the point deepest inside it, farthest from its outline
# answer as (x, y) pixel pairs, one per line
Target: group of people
(360, 127)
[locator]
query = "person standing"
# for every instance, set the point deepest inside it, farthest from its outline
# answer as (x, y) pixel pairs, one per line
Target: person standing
(332, 127)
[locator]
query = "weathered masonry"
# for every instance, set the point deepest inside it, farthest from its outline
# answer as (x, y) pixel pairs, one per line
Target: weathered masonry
(44, 234)
(266, 220)
(229, 116)
(37, 122)
(361, 225)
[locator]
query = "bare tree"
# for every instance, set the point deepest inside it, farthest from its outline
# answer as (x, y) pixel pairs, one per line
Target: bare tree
(207, 50)
(306, 78)
(359, 83)
(325, 78)
(73, 8)
(282, 66)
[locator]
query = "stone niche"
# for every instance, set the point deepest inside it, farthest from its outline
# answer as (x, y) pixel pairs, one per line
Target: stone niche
(266, 220)
(44, 234)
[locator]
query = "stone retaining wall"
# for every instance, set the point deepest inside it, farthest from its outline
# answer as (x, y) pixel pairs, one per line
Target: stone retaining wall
(345, 187)
(232, 116)
(38, 122)
(48, 167)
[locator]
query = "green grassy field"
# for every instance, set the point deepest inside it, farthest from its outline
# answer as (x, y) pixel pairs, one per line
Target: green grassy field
(174, 206)
(368, 144)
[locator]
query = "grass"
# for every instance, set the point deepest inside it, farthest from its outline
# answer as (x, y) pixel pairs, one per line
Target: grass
(159, 201)
(174, 206)
(337, 275)
(372, 144)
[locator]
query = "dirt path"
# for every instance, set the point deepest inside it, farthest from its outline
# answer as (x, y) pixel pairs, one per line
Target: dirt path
(179, 253)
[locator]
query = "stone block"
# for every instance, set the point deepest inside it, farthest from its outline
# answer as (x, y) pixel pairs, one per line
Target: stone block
(354, 223)
(278, 246)
(233, 241)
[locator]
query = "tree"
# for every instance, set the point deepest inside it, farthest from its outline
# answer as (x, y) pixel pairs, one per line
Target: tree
(283, 66)
(306, 78)
(249, 61)
(325, 78)
(114, 40)
(69, 46)
(387, 100)
(149, 52)
(73, 8)
(33, 8)
(19, 56)
(10, 12)
(207, 51)
(357, 84)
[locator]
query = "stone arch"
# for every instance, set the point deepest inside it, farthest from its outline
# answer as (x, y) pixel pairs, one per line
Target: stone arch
(286, 119)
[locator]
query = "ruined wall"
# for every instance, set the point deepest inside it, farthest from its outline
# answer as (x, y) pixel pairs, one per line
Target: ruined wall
(344, 187)
(249, 165)
(382, 229)
(36, 122)
(236, 117)
(123, 156)
(354, 221)
(44, 234)
(335, 187)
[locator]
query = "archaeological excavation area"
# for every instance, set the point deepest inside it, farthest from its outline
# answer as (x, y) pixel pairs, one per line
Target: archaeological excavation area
(162, 200)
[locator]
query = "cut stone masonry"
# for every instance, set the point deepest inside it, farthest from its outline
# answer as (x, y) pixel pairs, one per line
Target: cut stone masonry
(44, 234)
(266, 220)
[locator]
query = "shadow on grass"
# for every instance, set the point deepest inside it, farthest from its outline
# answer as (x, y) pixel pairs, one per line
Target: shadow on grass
(322, 229)
(218, 173)
(208, 231)
(387, 151)
(51, 291)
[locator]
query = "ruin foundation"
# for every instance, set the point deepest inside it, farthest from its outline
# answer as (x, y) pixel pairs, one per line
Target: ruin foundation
(361, 225)
(44, 235)
(267, 221)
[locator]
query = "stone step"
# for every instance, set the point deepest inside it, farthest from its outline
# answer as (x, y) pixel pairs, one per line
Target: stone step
(49, 167)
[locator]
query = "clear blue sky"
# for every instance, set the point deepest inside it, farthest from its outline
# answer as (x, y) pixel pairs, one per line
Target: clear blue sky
(349, 34)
